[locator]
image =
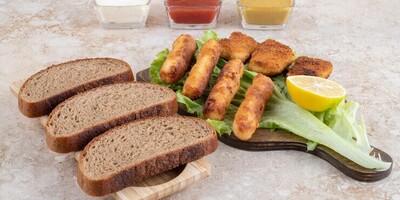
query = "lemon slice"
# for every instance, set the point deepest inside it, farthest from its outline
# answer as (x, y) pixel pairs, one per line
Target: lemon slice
(315, 93)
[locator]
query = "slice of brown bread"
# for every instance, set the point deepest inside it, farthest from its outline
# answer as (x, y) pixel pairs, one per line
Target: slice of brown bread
(76, 121)
(43, 91)
(127, 154)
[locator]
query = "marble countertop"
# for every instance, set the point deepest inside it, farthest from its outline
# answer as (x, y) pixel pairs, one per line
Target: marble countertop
(361, 38)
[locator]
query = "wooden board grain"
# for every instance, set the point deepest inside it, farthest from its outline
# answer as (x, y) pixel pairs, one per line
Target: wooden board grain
(266, 140)
(155, 187)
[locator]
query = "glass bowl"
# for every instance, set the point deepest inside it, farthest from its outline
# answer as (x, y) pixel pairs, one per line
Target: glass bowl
(194, 16)
(266, 15)
(122, 13)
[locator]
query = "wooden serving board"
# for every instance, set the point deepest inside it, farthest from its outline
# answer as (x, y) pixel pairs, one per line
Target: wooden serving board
(155, 187)
(266, 140)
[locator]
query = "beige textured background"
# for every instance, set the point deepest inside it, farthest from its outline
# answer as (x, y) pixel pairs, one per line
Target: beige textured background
(361, 38)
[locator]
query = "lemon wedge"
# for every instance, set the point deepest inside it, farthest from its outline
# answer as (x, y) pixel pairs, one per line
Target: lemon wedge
(315, 93)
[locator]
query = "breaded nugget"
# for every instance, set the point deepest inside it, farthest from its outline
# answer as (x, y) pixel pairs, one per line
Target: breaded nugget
(248, 116)
(271, 58)
(224, 90)
(200, 73)
(238, 46)
(178, 59)
(311, 66)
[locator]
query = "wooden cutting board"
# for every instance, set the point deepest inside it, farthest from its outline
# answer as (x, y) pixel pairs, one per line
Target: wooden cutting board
(266, 140)
(158, 186)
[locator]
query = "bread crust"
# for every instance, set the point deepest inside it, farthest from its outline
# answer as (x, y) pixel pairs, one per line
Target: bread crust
(136, 173)
(45, 106)
(77, 141)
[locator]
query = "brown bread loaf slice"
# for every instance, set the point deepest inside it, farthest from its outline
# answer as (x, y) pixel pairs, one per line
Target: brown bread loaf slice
(43, 91)
(76, 121)
(127, 154)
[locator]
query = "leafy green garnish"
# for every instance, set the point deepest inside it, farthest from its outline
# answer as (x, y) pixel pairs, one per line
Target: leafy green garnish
(287, 115)
(220, 126)
(155, 68)
(342, 120)
(192, 106)
(208, 35)
(336, 128)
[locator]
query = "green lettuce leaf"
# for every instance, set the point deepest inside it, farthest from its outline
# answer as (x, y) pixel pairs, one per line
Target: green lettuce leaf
(220, 126)
(281, 113)
(207, 35)
(192, 106)
(342, 119)
(336, 128)
(311, 145)
(290, 117)
(155, 68)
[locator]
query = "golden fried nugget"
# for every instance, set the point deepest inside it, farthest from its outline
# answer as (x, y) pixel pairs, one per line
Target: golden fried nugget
(311, 66)
(271, 58)
(248, 116)
(178, 59)
(238, 45)
(200, 73)
(224, 90)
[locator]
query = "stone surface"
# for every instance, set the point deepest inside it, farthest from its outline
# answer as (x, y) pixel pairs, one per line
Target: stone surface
(361, 38)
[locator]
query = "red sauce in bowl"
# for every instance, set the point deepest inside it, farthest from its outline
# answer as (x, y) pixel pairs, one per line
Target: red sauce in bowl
(193, 11)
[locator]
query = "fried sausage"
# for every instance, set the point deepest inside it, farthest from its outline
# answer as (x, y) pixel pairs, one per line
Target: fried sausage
(178, 59)
(200, 73)
(250, 110)
(224, 90)
(271, 58)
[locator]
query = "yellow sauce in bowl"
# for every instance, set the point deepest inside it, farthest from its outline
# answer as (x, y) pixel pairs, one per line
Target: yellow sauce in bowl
(265, 12)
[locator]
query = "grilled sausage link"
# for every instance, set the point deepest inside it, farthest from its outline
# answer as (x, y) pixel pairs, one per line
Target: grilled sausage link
(224, 90)
(200, 73)
(178, 59)
(250, 110)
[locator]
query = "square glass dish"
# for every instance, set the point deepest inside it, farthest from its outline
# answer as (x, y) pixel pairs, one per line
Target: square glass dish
(265, 15)
(192, 14)
(122, 13)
